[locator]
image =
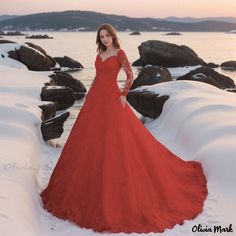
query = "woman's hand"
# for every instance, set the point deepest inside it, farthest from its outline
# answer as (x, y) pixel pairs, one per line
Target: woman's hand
(123, 100)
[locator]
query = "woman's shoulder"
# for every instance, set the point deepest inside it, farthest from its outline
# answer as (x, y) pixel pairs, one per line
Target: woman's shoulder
(120, 50)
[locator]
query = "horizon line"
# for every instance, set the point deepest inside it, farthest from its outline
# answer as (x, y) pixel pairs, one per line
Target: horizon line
(33, 13)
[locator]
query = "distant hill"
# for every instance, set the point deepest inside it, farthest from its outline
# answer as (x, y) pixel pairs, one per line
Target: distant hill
(192, 19)
(89, 21)
(6, 17)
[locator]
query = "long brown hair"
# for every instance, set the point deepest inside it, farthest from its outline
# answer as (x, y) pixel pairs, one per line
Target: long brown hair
(112, 31)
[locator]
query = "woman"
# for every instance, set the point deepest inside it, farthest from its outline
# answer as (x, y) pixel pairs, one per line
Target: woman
(112, 174)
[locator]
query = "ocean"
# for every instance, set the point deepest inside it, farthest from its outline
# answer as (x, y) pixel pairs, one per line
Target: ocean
(216, 47)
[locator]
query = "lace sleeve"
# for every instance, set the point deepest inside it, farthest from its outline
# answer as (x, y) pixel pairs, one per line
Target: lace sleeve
(128, 70)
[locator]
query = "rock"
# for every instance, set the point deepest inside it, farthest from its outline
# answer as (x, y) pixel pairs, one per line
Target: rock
(39, 36)
(160, 53)
(212, 65)
(138, 62)
(228, 65)
(135, 33)
(34, 57)
(2, 41)
(53, 128)
(151, 75)
(68, 62)
(65, 79)
(233, 90)
(204, 78)
(147, 103)
(173, 33)
(32, 45)
(14, 33)
(63, 96)
(48, 110)
(209, 76)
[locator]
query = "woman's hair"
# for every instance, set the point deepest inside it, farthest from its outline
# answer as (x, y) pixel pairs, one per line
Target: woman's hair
(112, 31)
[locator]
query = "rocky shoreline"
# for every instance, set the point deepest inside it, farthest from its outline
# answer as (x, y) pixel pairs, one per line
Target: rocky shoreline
(62, 89)
(155, 57)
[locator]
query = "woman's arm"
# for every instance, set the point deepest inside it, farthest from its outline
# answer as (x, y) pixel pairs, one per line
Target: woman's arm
(128, 70)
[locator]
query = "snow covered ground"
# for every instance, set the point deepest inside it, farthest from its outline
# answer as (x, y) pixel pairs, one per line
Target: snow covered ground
(198, 122)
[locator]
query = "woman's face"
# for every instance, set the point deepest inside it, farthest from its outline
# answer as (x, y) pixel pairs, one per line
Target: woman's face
(105, 38)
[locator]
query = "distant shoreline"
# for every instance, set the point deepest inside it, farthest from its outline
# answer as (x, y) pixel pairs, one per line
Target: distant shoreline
(89, 21)
(123, 31)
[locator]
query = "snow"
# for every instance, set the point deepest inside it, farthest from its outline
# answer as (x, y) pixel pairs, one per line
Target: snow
(55, 87)
(39, 52)
(20, 140)
(179, 71)
(198, 122)
(199, 76)
(5, 60)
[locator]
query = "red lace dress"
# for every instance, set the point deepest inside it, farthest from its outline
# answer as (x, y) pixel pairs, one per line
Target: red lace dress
(112, 174)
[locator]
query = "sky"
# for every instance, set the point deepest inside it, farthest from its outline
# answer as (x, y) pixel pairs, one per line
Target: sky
(134, 8)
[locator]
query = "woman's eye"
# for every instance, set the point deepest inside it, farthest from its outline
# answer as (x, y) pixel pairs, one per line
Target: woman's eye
(103, 36)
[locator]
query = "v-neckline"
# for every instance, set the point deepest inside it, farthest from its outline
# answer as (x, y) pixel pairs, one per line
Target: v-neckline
(109, 57)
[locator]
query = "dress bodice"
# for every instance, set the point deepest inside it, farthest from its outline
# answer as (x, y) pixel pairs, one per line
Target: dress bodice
(107, 70)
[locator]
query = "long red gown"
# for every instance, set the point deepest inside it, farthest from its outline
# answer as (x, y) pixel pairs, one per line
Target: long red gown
(113, 175)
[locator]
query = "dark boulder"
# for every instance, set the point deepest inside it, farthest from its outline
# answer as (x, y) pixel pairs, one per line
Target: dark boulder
(135, 33)
(2, 41)
(65, 79)
(37, 47)
(173, 33)
(147, 103)
(210, 76)
(68, 62)
(63, 96)
(38, 36)
(34, 57)
(48, 110)
(53, 128)
(151, 75)
(160, 53)
(228, 65)
(212, 65)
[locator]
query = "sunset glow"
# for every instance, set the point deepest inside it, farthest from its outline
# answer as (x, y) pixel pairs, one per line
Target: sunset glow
(148, 8)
